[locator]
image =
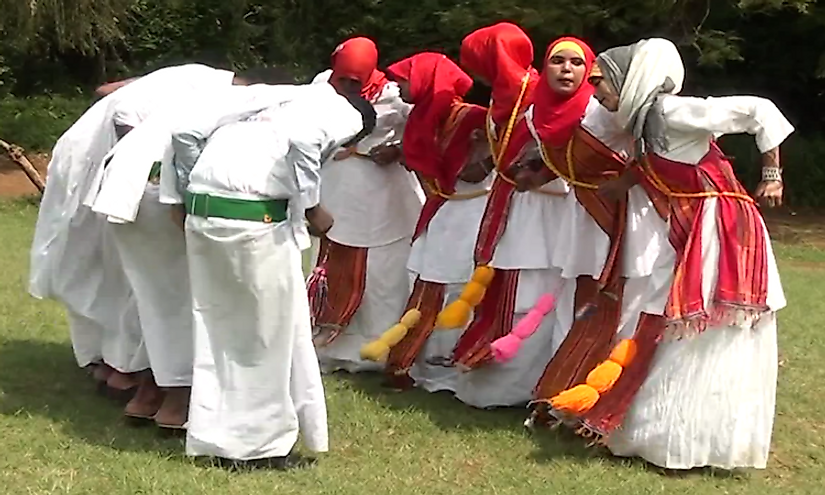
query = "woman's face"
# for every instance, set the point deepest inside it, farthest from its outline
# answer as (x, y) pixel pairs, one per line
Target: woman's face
(605, 93)
(565, 72)
(404, 86)
(346, 85)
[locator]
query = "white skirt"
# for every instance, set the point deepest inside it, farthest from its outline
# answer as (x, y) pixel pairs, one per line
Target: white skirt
(256, 382)
(709, 399)
(387, 289)
(440, 344)
(512, 383)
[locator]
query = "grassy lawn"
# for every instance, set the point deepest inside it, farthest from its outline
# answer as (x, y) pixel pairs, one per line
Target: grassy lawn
(57, 436)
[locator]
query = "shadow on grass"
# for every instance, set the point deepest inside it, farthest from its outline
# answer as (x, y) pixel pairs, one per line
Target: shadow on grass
(41, 379)
(449, 415)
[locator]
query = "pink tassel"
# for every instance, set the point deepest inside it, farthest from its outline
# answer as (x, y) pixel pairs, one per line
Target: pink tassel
(507, 347)
(317, 292)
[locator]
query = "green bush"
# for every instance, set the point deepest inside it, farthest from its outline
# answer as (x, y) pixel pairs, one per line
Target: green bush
(36, 122)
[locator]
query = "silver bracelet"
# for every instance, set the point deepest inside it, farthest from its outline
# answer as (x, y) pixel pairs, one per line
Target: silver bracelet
(771, 174)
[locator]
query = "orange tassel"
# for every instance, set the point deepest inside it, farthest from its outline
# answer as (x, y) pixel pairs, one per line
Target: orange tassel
(577, 400)
(484, 275)
(473, 293)
(624, 352)
(604, 376)
(455, 315)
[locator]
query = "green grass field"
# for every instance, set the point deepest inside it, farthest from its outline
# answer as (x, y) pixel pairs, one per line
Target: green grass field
(57, 436)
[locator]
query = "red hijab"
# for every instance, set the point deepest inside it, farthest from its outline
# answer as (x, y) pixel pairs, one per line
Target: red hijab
(555, 116)
(502, 54)
(357, 58)
(436, 84)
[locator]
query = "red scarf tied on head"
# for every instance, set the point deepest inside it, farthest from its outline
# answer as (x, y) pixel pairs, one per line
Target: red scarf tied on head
(502, 54)
(555, 116)
(436, 85)
(357, 58)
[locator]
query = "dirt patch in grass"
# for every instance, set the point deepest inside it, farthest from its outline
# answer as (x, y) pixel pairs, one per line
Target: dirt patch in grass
(13, 182)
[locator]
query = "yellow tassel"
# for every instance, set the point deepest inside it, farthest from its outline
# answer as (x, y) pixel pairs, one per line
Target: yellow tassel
(376, 351)
(411, 318)
(624, 352)
(577, 400)
(379, 349)
(484, 275)
(473, 293)
(455, 315)
(395, 335)
(604, 376)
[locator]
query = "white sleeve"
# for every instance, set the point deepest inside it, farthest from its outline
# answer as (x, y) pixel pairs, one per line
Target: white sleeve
(729, 115)
(306, 145)
(312, 139)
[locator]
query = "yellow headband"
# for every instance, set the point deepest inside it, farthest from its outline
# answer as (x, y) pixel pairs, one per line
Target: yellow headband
(567, 45)
(596, 71)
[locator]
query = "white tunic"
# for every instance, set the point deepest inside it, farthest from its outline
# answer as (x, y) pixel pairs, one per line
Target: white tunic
(151, 247)
(256, 380)
(725, 378)
(374, 207)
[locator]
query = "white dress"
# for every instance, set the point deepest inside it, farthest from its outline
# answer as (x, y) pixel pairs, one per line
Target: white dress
(151, 247)
(257, 383)
(444, 254)
(528, 244)
(374, 207)
(552, 240)
(709, 399)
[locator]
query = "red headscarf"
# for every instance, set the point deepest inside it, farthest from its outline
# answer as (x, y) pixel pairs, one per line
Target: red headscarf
(502, 54)
(436, 84)
(555, 116)
(357, 58)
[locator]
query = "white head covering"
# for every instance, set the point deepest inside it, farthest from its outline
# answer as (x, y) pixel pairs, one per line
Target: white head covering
(640, 73)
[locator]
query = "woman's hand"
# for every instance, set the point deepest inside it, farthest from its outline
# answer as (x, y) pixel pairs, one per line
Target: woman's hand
(770, 193)
(178, 214)
(385, 154)
(616, 189)
(320, 221)
(477, 171)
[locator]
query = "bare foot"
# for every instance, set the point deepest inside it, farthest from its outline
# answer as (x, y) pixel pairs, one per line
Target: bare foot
(122, 386)
(147, 400)
(174, 413)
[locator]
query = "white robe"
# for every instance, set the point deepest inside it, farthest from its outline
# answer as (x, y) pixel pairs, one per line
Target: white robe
(72, 258)
(374, 207)
(709, 400)
(257, 382)
(151, 247)
(444, 254)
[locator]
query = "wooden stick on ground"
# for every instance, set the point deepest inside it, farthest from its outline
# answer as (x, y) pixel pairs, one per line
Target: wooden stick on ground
(18, 156)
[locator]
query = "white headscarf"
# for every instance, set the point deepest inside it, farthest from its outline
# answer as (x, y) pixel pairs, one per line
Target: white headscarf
(640, 73)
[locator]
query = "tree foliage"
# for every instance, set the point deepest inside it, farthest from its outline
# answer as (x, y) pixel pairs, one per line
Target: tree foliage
(773, 47)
